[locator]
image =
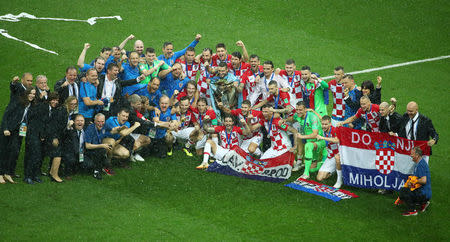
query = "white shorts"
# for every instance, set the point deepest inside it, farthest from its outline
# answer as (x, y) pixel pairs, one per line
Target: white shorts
(201, 143)
(182, 134)
(220, 152)
(246, 142)
(329, 165)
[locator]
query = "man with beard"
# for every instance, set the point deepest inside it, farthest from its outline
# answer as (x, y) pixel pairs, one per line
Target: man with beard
(230, 136)
(169, 57)
(174, 81)
(237, 66)
(223, 56)
(262, 90)
(336, 87)
(250, 79)
(370, 112)
(280, 98)
(204, 79)
(294, 79)
(190, 66)
(314, 91)
(98, 64)
(190, 92)
(223, 89)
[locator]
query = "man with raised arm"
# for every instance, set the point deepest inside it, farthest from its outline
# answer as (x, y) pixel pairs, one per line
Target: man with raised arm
(370, 112)
(314, 91)
(98, 63)
(169, 57)
(336, 86)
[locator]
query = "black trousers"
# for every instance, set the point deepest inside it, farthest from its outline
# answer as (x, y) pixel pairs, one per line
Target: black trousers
(33, 155)
(94, 160)
(411, 198)
(9, 152)
(71, 162)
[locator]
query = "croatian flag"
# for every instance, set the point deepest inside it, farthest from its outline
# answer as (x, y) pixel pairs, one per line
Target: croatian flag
(377, 160)
(239, 163)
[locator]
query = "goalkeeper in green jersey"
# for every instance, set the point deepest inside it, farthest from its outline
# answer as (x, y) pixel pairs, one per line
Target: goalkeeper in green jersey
(308, 126)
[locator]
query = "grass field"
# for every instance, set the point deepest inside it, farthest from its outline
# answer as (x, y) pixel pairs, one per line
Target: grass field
(170, 200)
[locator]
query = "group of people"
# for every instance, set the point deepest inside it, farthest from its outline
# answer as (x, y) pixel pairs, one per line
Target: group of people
(128, 104)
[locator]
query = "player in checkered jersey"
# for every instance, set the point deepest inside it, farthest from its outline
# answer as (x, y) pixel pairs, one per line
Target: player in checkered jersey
(185, 122)
(336, 86)
(222, 55)
(190, 92)
(277, 132)
(251, 142)
(189, 64)
(237, 66)
(294, 79)
(250, 80)
(205, 117)
(370, 112)
(280, 98)
(203, 81)
(230, 136)
(332, 160)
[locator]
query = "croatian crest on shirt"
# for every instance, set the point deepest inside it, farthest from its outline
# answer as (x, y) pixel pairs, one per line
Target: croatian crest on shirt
(385, 159)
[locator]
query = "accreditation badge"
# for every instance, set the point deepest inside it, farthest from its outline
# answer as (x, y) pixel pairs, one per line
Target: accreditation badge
(23, 130)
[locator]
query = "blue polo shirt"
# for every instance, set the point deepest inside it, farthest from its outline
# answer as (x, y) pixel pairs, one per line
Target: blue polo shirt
(111, 123)
(153, 98)
(168, 85)
(421, 169)
(165, 117)
(94, 136)
(90, 91)
(177, 54)
(109, 61)
(129, 73)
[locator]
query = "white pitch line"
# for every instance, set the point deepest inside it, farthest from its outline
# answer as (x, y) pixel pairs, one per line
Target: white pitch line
(394, 66)
(5, 33)
(16, 18)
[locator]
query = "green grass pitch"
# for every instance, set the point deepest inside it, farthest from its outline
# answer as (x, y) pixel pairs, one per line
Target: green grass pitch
(170, 200)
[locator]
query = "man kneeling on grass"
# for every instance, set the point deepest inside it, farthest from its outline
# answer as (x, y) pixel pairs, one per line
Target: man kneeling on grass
(230, 136)
(119, 136)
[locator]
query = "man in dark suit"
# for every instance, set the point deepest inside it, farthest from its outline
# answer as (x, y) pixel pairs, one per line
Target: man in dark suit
(390, 120)
(17, 88)
(73, 147)
(42, 89)
(69, 85)
(109, 89)
(416, 126)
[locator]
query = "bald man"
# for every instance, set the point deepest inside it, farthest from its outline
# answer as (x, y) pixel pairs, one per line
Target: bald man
(416, 126)
(369, 112)
(390, 119)
(138, 46)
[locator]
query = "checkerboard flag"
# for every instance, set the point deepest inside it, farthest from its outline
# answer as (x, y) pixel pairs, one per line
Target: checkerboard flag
(376, 160)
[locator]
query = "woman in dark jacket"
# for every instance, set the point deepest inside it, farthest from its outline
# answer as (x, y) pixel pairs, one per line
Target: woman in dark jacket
(373, 93)
(14, 127)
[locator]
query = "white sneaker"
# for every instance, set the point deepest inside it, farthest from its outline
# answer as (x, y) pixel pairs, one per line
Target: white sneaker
(304, 176)
(297, 166)
(138, 157)
(132, 158)
(337, 185)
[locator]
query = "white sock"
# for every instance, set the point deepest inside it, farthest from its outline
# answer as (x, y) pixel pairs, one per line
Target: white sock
(188, 144)
(206, 153)
(339, 176)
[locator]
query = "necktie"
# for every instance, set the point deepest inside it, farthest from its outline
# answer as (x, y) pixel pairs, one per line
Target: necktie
(411, 130)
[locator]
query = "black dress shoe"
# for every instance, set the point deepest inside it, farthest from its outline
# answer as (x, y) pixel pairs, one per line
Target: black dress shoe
(98, 175)
(28, 181)
(37, 179)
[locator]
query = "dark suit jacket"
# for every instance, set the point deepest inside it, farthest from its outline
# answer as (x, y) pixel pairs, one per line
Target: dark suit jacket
(12, 116)
(395, 120)
(38, 96)
(70, 144)
(118, 102)
(16, 90)
(64, 91)
(58, 123)
(425, 129)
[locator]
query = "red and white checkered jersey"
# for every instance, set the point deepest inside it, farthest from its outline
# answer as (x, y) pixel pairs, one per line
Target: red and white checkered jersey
(186, 119)
(243, 67)
(283, 99)
(229, 139)
(249, 81)
(201, 116)
(216, 60)
(255, 119)
(296, 83)
(202, 85)
(338, 98)
(277, 132)
(333, 148)
(190, 70)
(372, 117)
